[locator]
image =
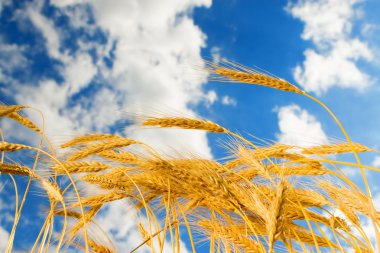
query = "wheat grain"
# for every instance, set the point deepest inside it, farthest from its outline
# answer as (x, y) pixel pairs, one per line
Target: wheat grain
(52, 190)
(275, 218)
(89, 138)
(69, 213)
(99, 248)
(336, 149)
(311, 169)
(108, 182)
(185, 123)
(87, 217)
(80, 167)
(121, 156)
(23, 121)
(16, 169)
(12, 147)
(145, 235)
(243, 75)
(100, 147)
(102, 199)
(230, 234)
(5, 110)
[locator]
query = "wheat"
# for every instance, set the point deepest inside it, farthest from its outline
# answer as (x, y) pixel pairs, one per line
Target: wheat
(230, 234)
(69, 213)
(101, 199)
(53, 191)
(80, 167)
(16, 169)
(108, 182)
(23, 121)
(12, 147)
(5, 110)
(120, 156)
(145, 235)
(296, 232)
(231, 72)
(185, 123)
(87, 217)
(101, 147)
(89, 138)
(336, 149)
(311, 169)
(275, 218)
(99, 248)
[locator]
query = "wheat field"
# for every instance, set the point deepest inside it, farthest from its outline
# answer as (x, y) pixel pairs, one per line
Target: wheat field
(271, 198)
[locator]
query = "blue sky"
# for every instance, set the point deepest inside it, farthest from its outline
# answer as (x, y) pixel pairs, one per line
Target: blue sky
(87, 65)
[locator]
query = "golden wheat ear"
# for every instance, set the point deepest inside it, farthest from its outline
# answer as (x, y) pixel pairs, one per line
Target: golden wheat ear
(185, 123)
(227, 71)
(11, 111)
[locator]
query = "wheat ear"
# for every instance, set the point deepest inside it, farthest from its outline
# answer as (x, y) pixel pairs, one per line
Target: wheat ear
(97, 248)
(8, 109)
(100, 147)
(12, 147)
(23, 121)
(80, 167)
(16, 169)
(336, 149)
(231, 72)
(121, 156)
(275, 218)
(89, 138)
(185, 123)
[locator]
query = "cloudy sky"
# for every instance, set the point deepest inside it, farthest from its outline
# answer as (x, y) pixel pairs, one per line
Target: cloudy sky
(89, 65)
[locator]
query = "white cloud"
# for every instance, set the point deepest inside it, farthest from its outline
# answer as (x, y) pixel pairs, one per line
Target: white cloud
(352, 172)
(227, 100)
(376, 162)
(11, 58)
(216, 53)
(211, 97)
(79, 72)
(298, 127)
(150, 45)
(3, 3)
(4, 235)
(334, 59)
(325, 20)
(47, 29)
(321, 71)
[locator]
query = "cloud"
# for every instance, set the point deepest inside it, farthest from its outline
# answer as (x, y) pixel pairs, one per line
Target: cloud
(322, 71)
(12, 59)
(334, 58)
(141, 65)
(376, 162)
(108, 58)
(298, 127)
(227, 100)
(47, 29)
(4, 235)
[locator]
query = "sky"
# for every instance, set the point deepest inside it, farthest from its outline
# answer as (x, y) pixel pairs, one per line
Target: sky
(90, 65)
